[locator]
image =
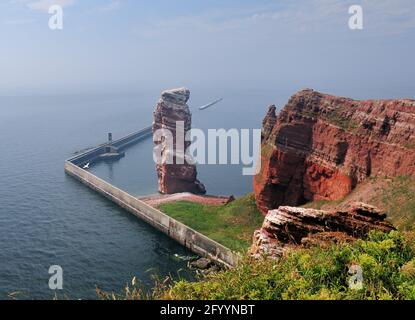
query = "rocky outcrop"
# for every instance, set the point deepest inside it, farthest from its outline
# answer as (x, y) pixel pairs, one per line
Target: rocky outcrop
(320, 147)
(175, 171)
(293, 226)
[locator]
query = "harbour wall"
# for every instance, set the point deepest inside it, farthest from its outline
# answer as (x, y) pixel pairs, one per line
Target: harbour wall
(191, 239)
(121, 144)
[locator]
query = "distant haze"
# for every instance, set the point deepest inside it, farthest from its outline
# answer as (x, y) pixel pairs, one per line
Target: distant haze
(258, 45)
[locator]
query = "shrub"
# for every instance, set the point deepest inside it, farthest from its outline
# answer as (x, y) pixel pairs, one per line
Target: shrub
(387, 262)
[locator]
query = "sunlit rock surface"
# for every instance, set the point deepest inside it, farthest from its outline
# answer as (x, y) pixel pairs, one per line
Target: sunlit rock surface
(321, 146)
(180, 175)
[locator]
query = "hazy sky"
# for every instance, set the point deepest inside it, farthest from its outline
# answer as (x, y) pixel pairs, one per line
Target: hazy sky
(133, 45)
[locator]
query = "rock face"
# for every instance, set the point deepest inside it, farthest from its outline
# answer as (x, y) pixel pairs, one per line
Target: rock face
(320, 147)
(290, 226)
(175, 172)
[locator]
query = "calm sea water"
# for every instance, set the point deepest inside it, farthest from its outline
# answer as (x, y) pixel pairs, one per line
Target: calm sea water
(48, 218)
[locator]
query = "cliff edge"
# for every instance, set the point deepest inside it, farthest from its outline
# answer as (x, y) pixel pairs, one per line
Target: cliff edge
(288, 227)
(321, 146)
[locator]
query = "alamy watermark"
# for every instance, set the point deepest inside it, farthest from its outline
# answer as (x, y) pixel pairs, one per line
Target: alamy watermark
(56, 279)
(356, 20)
(218, 147)
(356, 279)
(56, 20)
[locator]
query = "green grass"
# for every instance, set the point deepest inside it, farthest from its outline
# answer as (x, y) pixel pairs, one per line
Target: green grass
(319, 204)
(337, 118)
(398, 200)
(232, 225)
(387, 262)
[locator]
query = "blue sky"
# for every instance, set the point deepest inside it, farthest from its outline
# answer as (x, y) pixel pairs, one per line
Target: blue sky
(133, 45)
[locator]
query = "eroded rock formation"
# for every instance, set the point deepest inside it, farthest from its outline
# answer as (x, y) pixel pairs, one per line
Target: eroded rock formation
(320, 147)
(175, 171)
(293, 226)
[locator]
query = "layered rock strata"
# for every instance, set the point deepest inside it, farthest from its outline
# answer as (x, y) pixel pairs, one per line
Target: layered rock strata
(293, 226)
(175, 171)
(321, 146)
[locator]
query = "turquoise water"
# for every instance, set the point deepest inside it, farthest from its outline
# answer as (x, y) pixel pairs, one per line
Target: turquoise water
(48, 218)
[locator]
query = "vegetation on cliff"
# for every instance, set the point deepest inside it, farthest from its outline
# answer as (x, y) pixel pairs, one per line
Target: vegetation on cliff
(387, 262)
(232, 225)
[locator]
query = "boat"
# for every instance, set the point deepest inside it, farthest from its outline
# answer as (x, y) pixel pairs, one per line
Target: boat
(210, 104)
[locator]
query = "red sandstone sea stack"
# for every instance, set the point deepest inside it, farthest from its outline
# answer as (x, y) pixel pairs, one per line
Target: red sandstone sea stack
(320, 147)
(179, 176)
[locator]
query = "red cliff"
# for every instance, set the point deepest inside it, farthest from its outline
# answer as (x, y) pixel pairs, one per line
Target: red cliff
(320, 147)
(172, 114)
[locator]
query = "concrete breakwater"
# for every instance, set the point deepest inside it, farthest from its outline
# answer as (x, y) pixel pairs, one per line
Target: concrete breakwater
(120, 145)
(191, 239)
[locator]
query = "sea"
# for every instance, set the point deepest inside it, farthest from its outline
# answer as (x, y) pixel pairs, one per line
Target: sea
(49, 219)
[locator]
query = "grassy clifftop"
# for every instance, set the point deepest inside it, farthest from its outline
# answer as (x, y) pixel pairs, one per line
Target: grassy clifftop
(387, 262)
(395, 196)
(232, 225)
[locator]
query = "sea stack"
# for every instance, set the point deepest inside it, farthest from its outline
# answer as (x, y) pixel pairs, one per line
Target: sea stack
(176, 173)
